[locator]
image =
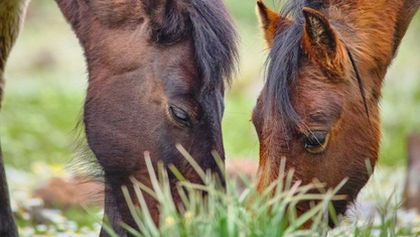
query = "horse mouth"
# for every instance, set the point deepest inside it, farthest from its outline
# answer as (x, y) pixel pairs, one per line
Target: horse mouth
(340, 208)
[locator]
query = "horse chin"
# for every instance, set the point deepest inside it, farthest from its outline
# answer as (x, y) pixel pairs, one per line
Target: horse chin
(340, 208)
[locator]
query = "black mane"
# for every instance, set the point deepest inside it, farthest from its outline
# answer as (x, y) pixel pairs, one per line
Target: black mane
(213, 33)
(283, 62)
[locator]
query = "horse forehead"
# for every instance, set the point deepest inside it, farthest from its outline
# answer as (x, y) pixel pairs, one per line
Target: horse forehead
(312, 88)
(177, 68)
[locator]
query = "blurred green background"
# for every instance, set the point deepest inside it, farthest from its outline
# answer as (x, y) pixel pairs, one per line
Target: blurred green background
(46, 82)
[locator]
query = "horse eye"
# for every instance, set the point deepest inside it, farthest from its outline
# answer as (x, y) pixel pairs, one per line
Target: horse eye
(316, 142)
(180, 116)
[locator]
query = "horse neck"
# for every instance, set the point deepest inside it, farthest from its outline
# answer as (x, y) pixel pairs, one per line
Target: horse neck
(11, 14)
(372, 30)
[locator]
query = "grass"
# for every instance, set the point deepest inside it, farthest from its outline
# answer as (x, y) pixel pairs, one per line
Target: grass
(39, 123)
(229, 212)
(243, 212)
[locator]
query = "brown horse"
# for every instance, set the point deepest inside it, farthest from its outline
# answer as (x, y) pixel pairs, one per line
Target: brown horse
(11, 13)
(319, 107)
(157, 74)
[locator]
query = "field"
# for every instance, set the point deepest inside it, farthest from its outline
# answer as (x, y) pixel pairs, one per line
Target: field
(46, 82)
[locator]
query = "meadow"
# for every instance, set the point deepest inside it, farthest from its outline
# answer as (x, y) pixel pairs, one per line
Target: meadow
(47, 79)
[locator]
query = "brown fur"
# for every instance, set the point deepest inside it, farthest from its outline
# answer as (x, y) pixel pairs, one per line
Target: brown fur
(11, 14)
(144, 59)
(157, 73)
(326, 94)
(270, 21)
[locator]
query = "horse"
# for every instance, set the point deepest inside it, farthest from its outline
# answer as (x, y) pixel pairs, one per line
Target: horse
(11, 13)
(157, 71)
(318, 111)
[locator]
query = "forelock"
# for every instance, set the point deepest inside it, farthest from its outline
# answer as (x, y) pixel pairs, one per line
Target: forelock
(213, 34)
(283, 64)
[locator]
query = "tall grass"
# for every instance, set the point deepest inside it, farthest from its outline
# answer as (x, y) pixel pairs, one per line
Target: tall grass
(232, 212)
(46, 82)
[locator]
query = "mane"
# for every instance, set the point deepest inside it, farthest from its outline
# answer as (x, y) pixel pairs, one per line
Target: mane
(213, 34)
(283, 62)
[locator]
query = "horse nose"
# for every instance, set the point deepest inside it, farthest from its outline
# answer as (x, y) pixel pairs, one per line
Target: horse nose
(217, 147)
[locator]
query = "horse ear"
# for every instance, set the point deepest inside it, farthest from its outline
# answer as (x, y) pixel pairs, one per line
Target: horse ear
(70, 10)
(270, 22)
(320, 41)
